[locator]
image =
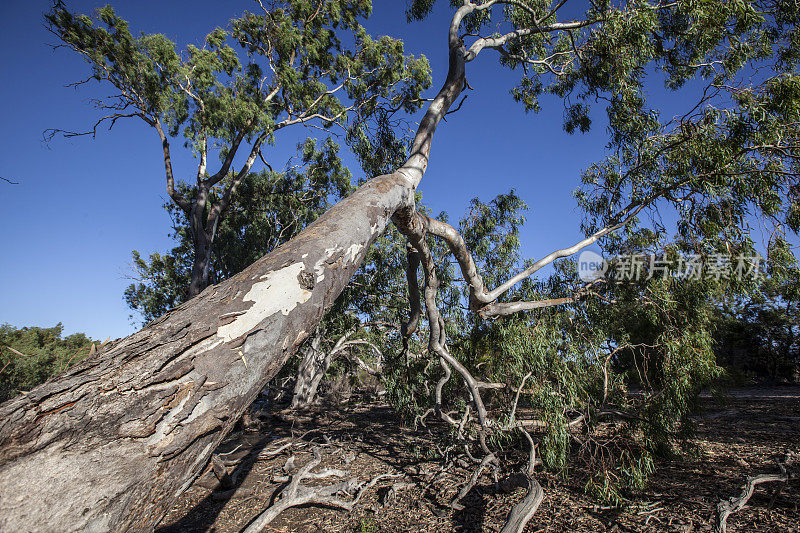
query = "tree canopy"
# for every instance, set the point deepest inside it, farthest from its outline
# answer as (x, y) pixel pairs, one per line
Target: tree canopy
(295, 64)
(30, 355)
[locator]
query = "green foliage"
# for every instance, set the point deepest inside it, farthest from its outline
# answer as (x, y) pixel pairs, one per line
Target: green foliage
(162, 282)
(368, 525)
(29, 356)
(288, 59)
(297, 63)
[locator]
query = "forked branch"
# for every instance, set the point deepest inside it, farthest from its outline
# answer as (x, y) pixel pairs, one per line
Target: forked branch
(732, 505)
(480, 296)
(296, 494)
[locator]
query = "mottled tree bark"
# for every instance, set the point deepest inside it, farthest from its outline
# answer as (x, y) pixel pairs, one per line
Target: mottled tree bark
(312, 369)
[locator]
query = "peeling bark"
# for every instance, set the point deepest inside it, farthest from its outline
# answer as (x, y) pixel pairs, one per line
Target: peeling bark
(109, 445)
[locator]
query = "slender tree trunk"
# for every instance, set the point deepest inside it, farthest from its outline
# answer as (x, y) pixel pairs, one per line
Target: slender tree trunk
(110, 444)
(312, 369)
(201, 242)
(200, 266)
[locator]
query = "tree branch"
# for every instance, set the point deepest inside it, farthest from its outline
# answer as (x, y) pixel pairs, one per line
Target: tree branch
(480, 296)
(524, 510)
(497, 42)
(226, 164)
(735, 504)
(416, 164)
(220, 207)
(177, 197)
(296, 494)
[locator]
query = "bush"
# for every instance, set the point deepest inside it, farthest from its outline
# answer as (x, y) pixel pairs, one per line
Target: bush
(31, 355)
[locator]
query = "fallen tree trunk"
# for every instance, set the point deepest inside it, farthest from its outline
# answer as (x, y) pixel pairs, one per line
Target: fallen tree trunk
(109, 444)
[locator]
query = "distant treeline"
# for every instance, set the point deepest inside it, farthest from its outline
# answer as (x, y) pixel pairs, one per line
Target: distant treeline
(759, 342)
(30, 355)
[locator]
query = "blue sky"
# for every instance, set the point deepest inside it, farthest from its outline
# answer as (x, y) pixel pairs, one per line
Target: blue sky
(83, 204)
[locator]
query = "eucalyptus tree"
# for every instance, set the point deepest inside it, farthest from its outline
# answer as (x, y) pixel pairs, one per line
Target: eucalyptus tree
(289, 68)
(189, 375)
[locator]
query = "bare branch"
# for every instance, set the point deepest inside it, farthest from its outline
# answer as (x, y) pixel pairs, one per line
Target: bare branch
(216, 211)
(226, 164)
(50, 133)
(513, 413)
(735, 504)
(201, 168)
(524, 510)
(480, 296)
(489, 458)
(9, 348)
(296, 494)
(410, 224)
(498, 42)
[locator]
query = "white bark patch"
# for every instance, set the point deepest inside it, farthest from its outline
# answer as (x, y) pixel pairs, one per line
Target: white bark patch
(318, 268)
(200, 408)
(279, 292)
(161, 438)
(352, 252)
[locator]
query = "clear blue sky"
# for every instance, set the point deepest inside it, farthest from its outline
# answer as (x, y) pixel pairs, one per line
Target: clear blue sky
(82, 205)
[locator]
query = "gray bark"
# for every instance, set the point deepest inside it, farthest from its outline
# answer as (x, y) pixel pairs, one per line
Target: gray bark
(201, 263)
(522, 512)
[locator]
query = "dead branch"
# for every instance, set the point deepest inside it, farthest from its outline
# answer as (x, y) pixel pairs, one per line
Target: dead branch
(524, 510)
(9, 348)
(472, 481)
(736, 504)
(296, 494)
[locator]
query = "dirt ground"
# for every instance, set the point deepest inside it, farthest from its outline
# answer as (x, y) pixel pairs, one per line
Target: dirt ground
(744, 436)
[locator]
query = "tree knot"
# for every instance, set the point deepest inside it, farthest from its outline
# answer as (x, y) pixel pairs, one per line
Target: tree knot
(306, 279)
